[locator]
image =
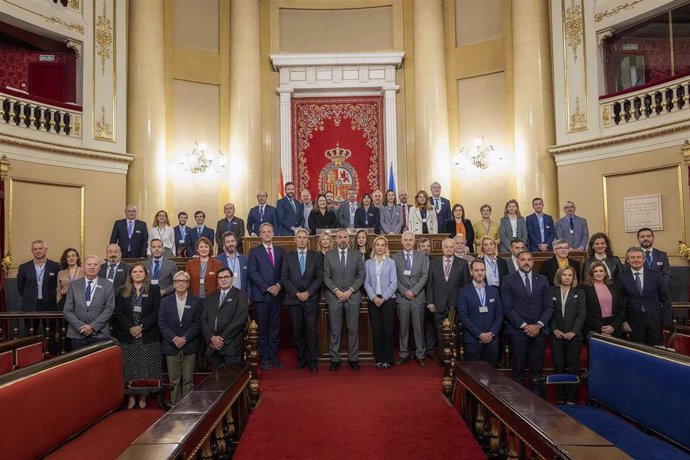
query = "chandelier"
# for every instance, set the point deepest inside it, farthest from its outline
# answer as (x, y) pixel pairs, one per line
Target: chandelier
(481, 155)
(201, 159)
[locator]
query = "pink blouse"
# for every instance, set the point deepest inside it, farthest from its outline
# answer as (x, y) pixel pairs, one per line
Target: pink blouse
(605, 300)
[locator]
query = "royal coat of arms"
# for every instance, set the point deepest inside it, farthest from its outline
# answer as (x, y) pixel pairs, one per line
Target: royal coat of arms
(338, 176)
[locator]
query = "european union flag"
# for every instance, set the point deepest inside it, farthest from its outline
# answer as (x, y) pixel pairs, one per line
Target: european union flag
(391, 180)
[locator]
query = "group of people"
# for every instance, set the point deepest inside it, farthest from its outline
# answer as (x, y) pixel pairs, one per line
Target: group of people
(156, 309)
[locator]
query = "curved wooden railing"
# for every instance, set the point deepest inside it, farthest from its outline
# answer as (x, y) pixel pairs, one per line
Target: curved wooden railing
(33, 114)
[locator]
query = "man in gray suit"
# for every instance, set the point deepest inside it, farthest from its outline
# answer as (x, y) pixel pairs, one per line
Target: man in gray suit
(572, 228)
(343, 272)
(161, 270)
(89, 305)
(346, 211)
(412, 268)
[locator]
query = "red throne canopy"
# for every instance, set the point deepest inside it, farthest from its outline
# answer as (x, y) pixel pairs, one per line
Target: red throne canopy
(338, 144)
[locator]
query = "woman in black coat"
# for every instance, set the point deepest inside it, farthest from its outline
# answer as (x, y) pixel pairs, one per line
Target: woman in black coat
(605, 305)
(368, 216)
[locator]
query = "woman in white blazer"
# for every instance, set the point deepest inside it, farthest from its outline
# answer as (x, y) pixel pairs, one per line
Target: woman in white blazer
(422, 218)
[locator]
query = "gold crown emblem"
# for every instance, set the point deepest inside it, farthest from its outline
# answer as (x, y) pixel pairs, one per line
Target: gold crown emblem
(337, 155)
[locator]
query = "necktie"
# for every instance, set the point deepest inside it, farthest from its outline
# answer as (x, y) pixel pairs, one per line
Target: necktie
(302, 262)
(648, 259)
(408, 261)
(87, 294)
(270, 256)
(438, 204)
(528, 285)
(572, 223)
(638, 282)
(130, 228)
(222, 296)
(183, 232)
(228, 225)
(342, 258)
(156, 268)
(541, 227)
(198, 232)
(261, 213)
(111, 272)
(294, 207)
(446, 268)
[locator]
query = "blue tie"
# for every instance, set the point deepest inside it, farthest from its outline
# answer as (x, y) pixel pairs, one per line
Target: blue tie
(261, 213)
(301, 262)
(87, 294)
(408, 261)
(156, 268)
(648, 259)
(572, 223)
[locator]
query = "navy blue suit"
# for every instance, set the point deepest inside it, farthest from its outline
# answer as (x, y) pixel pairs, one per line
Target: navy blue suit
(476, 321)
(263, 275)
(194, 236)
(180, 241)
(189, 327)
(522, 308)
(27, 285)
(289, 218)
(371, 218)
(241, 267)
(534, 238)
(254, 219)
(649, 311)
(135, 246)
(444, 215)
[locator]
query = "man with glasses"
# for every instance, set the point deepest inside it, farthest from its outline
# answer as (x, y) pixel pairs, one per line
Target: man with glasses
(561, 248)
(223, 320)
(572, 228)
(179, 320)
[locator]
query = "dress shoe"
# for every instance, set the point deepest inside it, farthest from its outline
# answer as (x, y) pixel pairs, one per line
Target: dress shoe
(334, 366)
(421, 362)
(275, 363)
(142, 402)
(354, 365)
(264, 365)
(301, 364)
(313, 368)
(402, 361)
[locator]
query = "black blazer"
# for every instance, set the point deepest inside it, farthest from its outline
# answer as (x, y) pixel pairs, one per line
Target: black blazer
(441, 293)
(469, 230)
(138, 243)
(171, 326)
(654, 298)
(550, 267)
(27, 285)
(593, 320)
(124, 316)
(121, 273)
(373, 218)
(318, 220)
(575, 311)
(227, 320)
(293, 281)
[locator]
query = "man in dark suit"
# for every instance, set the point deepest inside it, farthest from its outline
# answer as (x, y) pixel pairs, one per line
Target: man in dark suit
(290, 212)
(343, 275)
(179, 320)
(302, 277)
(160, 269)
(347, 210)
(266, 292)
(441, 206)
(648, 306)
(561, 248)
(37, 280)
(447, 274)
(404, 209)
(541, 230)
(182, 232)
(572, 228)
(261, 213)
(234, 261)
(412, 268)
(88, 307)
(516, 247)
(114, 269)
(654, 259)
(130, 234)
(231, 223)
(481, 314)
(528, 306)
(201, 230)
(223, 320)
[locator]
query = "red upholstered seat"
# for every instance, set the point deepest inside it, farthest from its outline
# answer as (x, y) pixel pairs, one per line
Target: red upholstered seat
(6, 362)
(29, 354)
(109, 437)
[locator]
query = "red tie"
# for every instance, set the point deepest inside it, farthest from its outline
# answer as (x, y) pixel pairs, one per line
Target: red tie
(270, 256)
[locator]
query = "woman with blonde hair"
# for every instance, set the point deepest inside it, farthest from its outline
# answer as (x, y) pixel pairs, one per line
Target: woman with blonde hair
(162, 230)
(422, 217)
(485, 227)
(325, 242)
(512, 225)
(496, 268)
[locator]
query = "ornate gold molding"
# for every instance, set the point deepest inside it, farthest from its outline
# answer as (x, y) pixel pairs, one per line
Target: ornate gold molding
(104, 37)
(601, 15)
(74, 46)
(685, 148)
(574, 22)
(5, 166)
(578, 120)
(104, 130)
(67, 25)
(603, 34)
(74, 4)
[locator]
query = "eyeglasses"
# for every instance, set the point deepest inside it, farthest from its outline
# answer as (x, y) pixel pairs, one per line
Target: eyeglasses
(224, 277)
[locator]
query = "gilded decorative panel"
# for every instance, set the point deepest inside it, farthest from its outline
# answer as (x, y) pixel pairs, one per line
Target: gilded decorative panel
(575, 67)
(104, 71)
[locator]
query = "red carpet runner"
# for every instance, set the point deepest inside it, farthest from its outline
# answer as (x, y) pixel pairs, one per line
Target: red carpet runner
(369, 414)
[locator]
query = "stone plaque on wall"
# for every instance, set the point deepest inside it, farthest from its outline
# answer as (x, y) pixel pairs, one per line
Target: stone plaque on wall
(643, 211)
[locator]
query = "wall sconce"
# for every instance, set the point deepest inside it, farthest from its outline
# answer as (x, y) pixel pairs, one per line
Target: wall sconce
(480, 155)
(201, 159)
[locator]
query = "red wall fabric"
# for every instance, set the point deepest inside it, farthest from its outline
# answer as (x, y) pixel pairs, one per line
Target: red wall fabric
(14, 71)
(320, 125)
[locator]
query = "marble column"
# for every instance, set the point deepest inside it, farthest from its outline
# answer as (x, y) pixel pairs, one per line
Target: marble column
(246, 154)
(432, 160)
(146, 178)
(535, 167)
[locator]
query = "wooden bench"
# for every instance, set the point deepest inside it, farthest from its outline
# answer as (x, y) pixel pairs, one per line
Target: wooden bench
(511, 422)
(635, 391)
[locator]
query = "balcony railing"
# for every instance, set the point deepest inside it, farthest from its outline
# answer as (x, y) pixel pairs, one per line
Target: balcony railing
(40, 116)
(647, 103)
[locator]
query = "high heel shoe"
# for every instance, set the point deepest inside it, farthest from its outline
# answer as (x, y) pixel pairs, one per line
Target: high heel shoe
(142, 402)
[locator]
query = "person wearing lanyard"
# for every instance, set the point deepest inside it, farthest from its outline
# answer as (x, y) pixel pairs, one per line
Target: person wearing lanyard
(496, 268)
(368, 216)
(70, 265)
(380, 284)
(234, 261)
(161, 230)
(160, 268)
(422, 217)
(37, 282)
(540, 228)
(481, 315)
(230, 223)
